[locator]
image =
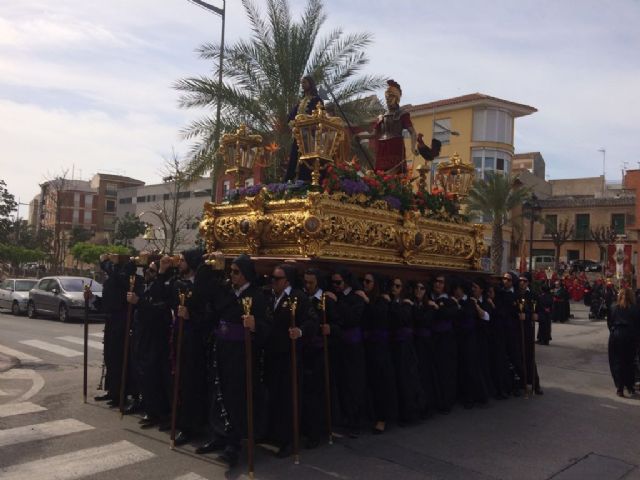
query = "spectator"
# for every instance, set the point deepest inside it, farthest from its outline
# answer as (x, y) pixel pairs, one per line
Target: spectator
(623, 327)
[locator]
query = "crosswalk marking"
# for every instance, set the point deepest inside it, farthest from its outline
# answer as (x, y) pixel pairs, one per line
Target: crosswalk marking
(23, 357)
(99, 335)
(190, 476)
(78, 464)
(9, 409)
(41, 431)
(80, 341)
(50, 347)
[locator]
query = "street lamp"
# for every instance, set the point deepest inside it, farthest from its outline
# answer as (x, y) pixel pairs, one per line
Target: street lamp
(216, 141)
(533, 207)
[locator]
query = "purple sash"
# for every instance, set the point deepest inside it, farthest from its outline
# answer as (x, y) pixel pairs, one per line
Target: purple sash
(352, 335)
(404, 334)
(231, 332)
(377, 335)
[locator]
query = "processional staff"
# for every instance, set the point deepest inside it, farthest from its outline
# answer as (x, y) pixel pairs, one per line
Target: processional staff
(125, 354)
(294, 385)
(521, 317)
(247, 303)
(327, 373)
(182, 296)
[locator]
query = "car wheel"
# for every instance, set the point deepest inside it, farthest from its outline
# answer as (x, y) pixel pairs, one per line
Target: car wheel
(15, 308)
(63, 313)
(31, 310)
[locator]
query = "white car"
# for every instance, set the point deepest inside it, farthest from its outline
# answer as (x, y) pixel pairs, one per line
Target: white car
(14, 294)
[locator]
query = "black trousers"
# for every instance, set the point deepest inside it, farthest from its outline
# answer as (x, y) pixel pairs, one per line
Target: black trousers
(622, 348)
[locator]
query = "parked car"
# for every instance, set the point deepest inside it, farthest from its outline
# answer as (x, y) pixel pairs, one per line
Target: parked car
(64, 297)
(585, 266)
(14, 294)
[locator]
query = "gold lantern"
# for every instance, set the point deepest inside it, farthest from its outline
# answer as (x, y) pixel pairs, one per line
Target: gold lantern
(240, 151)
(319, 137)
(455, 176)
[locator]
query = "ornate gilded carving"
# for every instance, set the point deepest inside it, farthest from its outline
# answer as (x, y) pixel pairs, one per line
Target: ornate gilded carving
(335, 227)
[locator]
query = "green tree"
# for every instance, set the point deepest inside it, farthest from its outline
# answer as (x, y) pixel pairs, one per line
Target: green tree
(495, 197)
(90, 252)
(128, 228)
(17, 255)
(262, 79)
(8, 205)
(560, 233)
(79, 234)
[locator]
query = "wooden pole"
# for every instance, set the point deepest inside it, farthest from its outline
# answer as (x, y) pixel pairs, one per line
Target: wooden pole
(327, 373)
(294, 386)
(176, 377)
(524, 354)
(125, 354)
(533, 347)
(247, 303)
(87, 293)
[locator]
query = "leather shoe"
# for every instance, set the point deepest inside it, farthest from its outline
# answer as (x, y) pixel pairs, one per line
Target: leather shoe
(133, 407)
(211, 446)
(538, 391)
(102, 398)
(181, 438)
(229, 456)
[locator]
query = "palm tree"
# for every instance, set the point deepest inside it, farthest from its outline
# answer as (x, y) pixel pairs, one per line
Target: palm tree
(262, 78)
(495, 197)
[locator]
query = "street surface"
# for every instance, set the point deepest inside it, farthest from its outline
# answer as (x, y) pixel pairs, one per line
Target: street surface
(578, 429)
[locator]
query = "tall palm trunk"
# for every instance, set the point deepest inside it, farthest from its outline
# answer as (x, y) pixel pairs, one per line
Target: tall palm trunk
(497, 248)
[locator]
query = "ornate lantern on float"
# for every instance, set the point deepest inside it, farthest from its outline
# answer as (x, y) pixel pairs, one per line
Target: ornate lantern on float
(318, 137)
(455, 176)
(240, 151)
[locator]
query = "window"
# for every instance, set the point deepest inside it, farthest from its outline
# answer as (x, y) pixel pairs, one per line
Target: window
(166, 196)
(582, 226)
(248, 182)
(110, 206)
(76, 199)
(617, 223)
(111, 189)
(492, 125)
(550, 224)
(442, 130)
(88, 201)
(151, 198)
(500, 164)
(141, 199)
(184, 194)
(125, 201)
(490, 160)
(226, 186)
(76, 216)
(87, 217)
(202, 193)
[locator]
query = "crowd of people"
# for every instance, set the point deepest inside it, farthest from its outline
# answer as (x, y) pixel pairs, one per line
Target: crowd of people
(399, 350)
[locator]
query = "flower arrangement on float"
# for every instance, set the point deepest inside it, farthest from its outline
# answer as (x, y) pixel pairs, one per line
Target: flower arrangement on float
(347, 182)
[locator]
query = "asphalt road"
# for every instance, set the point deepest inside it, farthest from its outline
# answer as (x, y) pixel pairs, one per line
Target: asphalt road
(577, 429)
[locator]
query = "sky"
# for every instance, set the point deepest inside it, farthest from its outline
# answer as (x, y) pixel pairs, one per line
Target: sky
(86, 85)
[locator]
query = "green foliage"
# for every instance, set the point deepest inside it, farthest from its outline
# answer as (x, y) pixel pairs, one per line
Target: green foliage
(90, 253)
(8, 205)
(79, 234)
(262, 78)
(17, 255)
(128, 228)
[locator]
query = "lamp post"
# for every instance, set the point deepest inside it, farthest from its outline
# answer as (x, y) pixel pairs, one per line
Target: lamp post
(533, 207)
(216, 141)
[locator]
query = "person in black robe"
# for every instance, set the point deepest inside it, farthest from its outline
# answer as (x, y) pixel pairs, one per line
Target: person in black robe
(114, 301)
(528, 306)
(153, 322)
(498, 357)
(425, 350)
(193, 282)
(483, 311)
(545, 300)
(351, 366)
(228, 407)
(403, 354)
(314, 420)
(444, 341)
(380, 372)
(278, 365)
(471, 387)
(508, 310)
(306, 105)
(623, 323)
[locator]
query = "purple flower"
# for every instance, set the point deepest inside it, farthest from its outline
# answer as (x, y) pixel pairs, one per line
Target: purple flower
(393, 202)
(252, 190)
(353, 187)
(276, 187)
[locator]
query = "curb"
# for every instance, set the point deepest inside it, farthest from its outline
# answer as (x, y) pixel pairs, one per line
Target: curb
(7, 363)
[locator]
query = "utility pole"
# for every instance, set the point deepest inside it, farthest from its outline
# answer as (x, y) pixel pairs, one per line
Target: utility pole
(604, 158)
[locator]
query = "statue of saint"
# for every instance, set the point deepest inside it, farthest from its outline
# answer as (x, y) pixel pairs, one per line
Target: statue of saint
(306, 105)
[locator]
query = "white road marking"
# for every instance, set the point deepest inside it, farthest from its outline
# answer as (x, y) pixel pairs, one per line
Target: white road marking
(37, 382)
(41, 431)
(78, 464)
(190, 476)
(80, 341)
(23, 357)
(50, 347)
(10, 409)
(99, 335)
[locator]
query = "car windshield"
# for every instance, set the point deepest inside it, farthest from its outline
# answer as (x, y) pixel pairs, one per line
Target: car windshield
(77, 284)
(24, 285)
